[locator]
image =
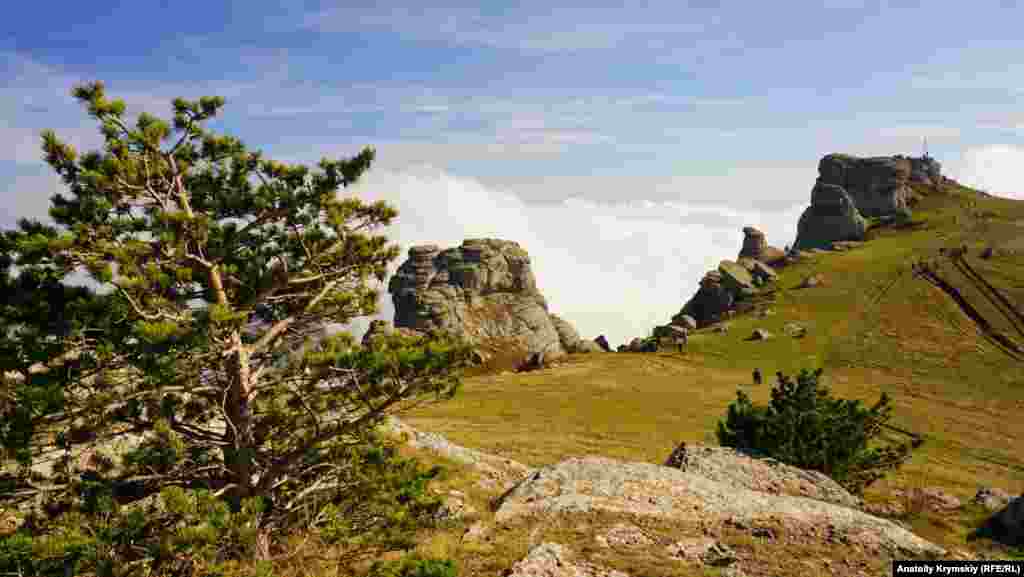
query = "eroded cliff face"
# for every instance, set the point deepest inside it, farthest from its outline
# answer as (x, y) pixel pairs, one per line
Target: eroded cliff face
(850, 188)
(833, 216)
(878, 185)
(484, 291)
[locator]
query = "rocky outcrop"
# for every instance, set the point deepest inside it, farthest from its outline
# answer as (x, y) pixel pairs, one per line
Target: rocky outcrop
(720, 290)
(710, 302)
(602, 342)
(925, 170)
(756, 247)
(597, 484)
(745, 470)
(483, 291)
(732, 285)
(569, 338)
(831, 217)
(760, 272)
(381, 328)
(849, 188)
(553, 560)
(877, 185)
(497, 473)
(715, 490)
(671, 332)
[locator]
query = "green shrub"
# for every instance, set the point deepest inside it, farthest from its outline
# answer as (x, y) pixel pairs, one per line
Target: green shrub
(805, 427)
(414, 566)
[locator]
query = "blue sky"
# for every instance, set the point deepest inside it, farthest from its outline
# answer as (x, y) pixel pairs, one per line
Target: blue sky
(623, 145)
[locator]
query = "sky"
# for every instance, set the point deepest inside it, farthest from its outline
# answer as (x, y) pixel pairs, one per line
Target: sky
(623, 146)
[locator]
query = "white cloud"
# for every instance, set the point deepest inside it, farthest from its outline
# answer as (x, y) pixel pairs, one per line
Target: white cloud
(610, 268)
(997, 169)
(542, 28)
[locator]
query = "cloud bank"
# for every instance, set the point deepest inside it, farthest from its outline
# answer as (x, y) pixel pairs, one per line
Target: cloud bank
(997, 169)
(612, 268)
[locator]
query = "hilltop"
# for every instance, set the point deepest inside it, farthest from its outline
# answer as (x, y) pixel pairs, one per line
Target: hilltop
(868, 320)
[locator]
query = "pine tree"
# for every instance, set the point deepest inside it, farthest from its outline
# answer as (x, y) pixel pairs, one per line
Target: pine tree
(806, 427)
(214, 266)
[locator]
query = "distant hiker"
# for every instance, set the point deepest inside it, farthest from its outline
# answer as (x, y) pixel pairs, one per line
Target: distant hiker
(757, 376)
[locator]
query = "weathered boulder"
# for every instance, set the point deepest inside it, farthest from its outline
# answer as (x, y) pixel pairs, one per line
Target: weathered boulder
(554, 560)
(929, 498)
(710, 302)
(735, 278)
(705, 551)
(645, 490)
(756, 247)
(762, 272)
(760, 335)
(670, 332)
(832, 216)
(925, 170)
(497, 473)
(877, 185)
(588, 347)
(754, 243)
(483, 291)
(569, 338)
(603, 343)
(624, 536)
(685, 321)
(747, 470)
(382, 328)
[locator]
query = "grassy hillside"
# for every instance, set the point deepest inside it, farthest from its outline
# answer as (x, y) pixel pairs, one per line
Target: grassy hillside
(949, 384)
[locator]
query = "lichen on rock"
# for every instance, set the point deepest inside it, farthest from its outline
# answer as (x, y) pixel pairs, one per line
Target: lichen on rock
(483, 291)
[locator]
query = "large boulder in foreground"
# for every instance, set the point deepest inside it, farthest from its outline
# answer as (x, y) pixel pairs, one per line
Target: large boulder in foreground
(483, 291)
(582, 485)
(831, 217)
(719, 494)
(744, 470)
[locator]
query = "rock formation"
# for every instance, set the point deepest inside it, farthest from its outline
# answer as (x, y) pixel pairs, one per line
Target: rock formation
(483, 291)
(832, 216)
(925, 170)
(745, 470)
(849, 188)
(709, 493)
(380, 327)
(756, 247)
(877, 185)
(733, 284)
(582, 485)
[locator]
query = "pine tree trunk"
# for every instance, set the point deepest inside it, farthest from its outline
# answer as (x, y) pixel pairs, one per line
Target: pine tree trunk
(239, 414)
